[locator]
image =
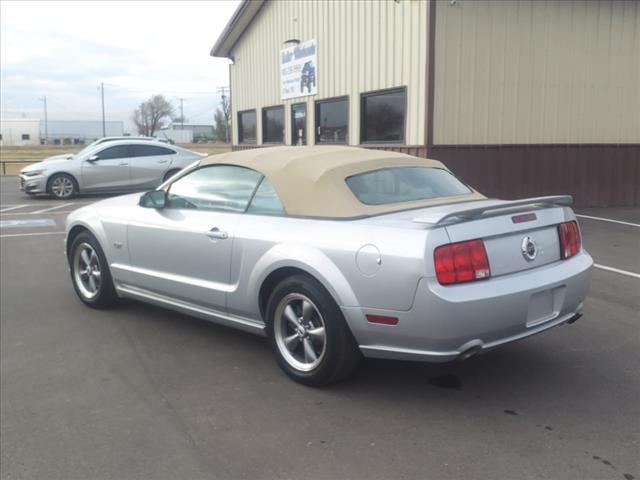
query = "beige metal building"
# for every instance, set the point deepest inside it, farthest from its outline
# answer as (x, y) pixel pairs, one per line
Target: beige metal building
(518, 98)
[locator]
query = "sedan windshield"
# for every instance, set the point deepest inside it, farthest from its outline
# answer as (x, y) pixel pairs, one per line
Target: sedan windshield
(404, 184)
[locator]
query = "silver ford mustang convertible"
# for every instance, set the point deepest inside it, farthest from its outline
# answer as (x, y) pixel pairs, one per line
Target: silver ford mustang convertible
(335, 252)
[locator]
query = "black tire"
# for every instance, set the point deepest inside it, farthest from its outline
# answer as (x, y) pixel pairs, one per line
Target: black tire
(340, 356)
(105, 295)
(62, 186)
(170, 174)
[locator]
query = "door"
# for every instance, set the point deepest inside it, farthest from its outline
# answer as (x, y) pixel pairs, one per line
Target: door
(149, 163)
(299, 124)
(109, 171)
(183, 251)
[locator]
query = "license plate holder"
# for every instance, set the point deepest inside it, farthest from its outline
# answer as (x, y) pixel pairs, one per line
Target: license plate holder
(545, 305)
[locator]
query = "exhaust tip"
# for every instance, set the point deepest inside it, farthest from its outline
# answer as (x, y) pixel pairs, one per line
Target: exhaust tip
(471, 352)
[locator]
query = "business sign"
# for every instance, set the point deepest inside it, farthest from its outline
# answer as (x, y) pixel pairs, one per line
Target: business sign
(298, 70)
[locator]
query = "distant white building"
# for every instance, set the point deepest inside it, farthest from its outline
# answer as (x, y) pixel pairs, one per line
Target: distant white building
(199, 132)
(79, 131)
(32, 131)
(176, 136)
(19, 131)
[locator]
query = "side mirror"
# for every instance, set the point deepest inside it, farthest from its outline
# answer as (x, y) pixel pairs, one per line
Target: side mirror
(153, 199)
(92, 158)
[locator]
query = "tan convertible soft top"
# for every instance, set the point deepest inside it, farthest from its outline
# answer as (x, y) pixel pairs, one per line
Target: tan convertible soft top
(310, 181)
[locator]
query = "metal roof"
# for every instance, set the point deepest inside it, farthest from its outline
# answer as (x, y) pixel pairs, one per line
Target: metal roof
(239, 22)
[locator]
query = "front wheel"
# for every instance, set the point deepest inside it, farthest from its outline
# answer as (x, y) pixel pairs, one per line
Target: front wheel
(63, 186)
(308, 333)
(90, 272)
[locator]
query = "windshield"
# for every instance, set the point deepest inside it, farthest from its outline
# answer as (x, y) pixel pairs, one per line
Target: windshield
(87, 148)
(405, 184)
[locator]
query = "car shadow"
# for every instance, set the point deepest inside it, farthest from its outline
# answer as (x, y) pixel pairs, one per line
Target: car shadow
(523, 369)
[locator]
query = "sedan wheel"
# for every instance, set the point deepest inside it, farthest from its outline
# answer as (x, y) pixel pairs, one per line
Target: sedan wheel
(62, 186)
(308, 333)
(90, 273)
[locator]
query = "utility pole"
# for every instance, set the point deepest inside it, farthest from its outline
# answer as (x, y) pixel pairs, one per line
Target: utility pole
(181, 114)
(46, 121)
(226, 108)
(104, 129)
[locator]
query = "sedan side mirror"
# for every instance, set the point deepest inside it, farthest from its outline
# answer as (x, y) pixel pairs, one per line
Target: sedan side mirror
(153, 199)
(92, 158)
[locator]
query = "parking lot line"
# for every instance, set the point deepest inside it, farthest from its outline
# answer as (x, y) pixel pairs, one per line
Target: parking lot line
(50, 208)
(14, 207)
(63, 212)
(609, 220)
(30, 234)
(617, 270)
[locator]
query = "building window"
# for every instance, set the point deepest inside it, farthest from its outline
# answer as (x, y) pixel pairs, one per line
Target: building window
(247, 126)
(26, 136)
(273, 124)
(332, 120)
(299, 124)
(382, 116)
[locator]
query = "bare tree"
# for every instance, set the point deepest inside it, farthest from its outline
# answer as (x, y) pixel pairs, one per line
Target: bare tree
(149, 116)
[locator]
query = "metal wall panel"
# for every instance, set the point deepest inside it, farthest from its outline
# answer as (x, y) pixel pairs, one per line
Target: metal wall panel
(537, 72)
(362, 45)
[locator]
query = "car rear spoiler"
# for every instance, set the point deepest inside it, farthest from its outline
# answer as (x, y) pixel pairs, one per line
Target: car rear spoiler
(490, 208)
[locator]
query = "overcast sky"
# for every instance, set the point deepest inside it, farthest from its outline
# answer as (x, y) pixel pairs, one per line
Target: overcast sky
(64, 50)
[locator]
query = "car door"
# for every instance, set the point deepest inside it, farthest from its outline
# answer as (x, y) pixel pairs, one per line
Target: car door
(149, 164)
(183, 252)
(106, 169)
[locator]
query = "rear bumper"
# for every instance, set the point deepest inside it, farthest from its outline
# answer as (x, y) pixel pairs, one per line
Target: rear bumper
(445, 322)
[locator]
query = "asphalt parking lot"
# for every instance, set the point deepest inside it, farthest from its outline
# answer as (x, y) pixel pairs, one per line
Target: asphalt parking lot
(139, 392)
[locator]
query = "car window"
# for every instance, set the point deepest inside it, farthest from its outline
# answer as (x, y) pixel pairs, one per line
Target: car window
(150, 151)
(265, 201)
(404, 184)
(214, 187)
(119, 151)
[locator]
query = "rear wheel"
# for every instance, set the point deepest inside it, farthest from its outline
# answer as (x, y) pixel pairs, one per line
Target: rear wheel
(90, 272)
(308, 333)
(62, 186)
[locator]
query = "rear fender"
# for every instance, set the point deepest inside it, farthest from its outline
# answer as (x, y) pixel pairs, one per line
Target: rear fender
(307, 259)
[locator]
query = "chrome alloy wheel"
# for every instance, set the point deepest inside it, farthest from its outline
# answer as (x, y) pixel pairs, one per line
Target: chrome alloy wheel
(299, 331)
(62, 187)
(86, 270)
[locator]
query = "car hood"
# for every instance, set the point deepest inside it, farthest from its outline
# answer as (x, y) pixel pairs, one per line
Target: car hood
(56, 158)
(128, 200)
(47, 162)
(114, 207)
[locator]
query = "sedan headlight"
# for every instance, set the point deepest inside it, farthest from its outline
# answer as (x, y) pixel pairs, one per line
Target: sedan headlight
(33, 173)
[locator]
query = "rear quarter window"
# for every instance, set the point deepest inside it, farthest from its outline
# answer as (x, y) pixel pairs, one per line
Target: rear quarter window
(404, 184)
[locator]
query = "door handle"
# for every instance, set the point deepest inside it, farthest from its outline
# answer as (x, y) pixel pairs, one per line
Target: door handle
(162, 161)
(216, 233)
(123, 164)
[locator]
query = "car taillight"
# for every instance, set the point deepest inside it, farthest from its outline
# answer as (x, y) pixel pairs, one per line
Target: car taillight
(570, 242)
(461, 262)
